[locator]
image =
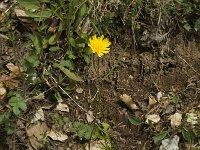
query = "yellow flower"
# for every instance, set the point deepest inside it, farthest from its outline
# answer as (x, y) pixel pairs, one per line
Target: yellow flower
(99, 45)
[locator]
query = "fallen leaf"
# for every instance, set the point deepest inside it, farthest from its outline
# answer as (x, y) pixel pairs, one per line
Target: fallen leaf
(20, 13)
(14, 69)
(98, 145)
(89, 116)
(62, 107)
(128, 101)
(159, 96)
(37, 97)
(36, 133)
(170, 144)
(176, 119)
(9, 81)
(3, 8)
(152, 100)
(153, 118)
(58, 136)
(79, 90)
(2, 91)
(192, 118)
(39, 115)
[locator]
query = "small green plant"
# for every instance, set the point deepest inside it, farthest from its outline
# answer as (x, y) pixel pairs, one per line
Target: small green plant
(82, 130)
(135, 121)
(65, 43)
(160, 136)
(8, 122)
(58, 119)
(189, 134)
(17, 103)
(102, 133)
(87, 132)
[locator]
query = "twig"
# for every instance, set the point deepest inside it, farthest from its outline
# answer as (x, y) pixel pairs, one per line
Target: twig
(68, 95)
(95, 95)
(133, 26)
(185, 61)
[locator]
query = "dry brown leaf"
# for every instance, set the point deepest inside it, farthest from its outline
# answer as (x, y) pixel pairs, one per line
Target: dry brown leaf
(97, 145)
(192, 118)
(79, 90)
(154, 118)
(1, 107)
(53, 26)
(176, 119)
(20, 13)
(89, 116)
(36, 132)
(128, 101)
(3, 7)
(2, 91)
(159, 96)
(152, 100)
(170, 143)
(62, 107)
(15, 70)
(9, 81)
(36, 97)
(39, 115)
(58, 136)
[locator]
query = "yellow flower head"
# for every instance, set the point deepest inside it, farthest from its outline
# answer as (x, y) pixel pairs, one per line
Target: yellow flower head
(99, 45)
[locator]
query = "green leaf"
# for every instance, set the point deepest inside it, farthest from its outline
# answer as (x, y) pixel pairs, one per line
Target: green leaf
(5, 116)
(65, 63)
(135, 121)
(17, 103)
(33, 60)
(197, 25)
(72, 42)
(65, 119)
(159, 137)
(173, 97)
(71, 54)
(44, 1)
(54, 48)
(187, 27)
(88, 135)
(22, 105)
(54, 38)
(10, 127)
(105, 126)
(188, 134)
(81, 133)
(15, 110)
(76, 124)
(87, 51)
(29, 5)
(61, 122)
(86, 58)
(37, 41)
(58, 96)
(81, 14)
(40, 14)
(70, 74)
